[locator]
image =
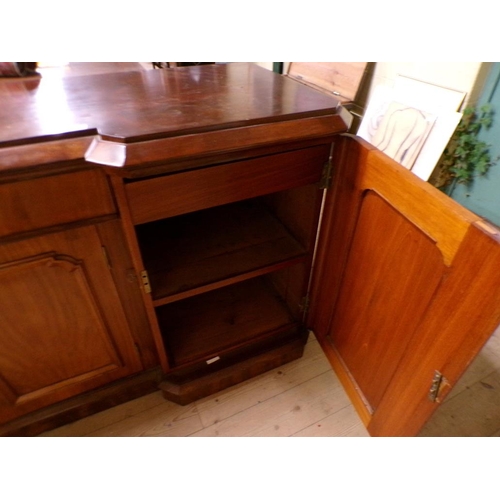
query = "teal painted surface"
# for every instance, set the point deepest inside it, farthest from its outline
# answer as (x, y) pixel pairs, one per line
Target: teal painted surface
(483, 196)
(278, 67)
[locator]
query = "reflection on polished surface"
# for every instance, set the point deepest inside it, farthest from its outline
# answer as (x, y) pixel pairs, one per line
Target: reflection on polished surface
(138, 105)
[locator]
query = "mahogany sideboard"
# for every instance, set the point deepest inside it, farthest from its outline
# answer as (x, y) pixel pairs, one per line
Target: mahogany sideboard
(186, 229)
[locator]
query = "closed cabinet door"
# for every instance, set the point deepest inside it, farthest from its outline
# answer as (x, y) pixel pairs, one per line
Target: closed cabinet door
(63, 329)
(406, 290)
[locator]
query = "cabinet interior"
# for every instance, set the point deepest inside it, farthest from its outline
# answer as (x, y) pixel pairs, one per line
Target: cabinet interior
(227, 275)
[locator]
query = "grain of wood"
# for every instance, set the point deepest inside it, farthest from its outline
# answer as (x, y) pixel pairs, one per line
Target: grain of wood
(473, 406)
(251, 408)
(475, 412)
(238, 399)
(167, 419)
(256, 407)
(287, 412)
(486, 363)
(343, 423)
(107, 418)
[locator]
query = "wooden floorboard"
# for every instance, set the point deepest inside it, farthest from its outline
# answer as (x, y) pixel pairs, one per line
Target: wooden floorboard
(286, 413)
(241, 398)
(472, 409)
(342, 423)
(302, 398)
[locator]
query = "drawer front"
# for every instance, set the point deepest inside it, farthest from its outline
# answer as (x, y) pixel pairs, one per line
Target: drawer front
(168, 196)
(50, 201)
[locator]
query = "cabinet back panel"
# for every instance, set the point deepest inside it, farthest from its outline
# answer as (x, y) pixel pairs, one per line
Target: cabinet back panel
(299, 210)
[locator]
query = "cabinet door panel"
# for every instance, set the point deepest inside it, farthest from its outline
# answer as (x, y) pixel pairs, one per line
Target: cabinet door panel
(405, 286)
(400, 268)
(63, 329)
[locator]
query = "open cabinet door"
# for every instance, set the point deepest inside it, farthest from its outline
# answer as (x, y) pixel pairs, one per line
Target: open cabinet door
(405, 290)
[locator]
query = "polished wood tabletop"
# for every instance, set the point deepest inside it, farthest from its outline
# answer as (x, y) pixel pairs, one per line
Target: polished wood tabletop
(139, 105)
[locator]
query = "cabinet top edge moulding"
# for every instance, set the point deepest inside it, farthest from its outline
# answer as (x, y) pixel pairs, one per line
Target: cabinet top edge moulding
(126, 119)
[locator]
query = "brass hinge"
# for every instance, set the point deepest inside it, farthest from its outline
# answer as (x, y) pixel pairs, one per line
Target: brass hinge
(326, 176)
(439, 382)
(145, 281)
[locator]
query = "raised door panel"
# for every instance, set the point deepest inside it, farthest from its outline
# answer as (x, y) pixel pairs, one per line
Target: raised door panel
(405, 286)
(63, 328)
(400, 269)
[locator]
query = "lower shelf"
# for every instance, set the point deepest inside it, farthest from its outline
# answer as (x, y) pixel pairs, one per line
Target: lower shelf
(206, 325)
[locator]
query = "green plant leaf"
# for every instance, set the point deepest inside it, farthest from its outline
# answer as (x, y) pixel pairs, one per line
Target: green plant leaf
(466, 156)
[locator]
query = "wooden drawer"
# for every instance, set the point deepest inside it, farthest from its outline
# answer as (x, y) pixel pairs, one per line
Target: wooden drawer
(50, 201)
(171, 195)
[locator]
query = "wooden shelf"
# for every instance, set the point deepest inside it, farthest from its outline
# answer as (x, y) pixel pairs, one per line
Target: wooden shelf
(202, 251)
(205, 325)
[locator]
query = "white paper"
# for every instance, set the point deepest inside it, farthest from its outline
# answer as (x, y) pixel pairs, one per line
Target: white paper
(435, 144)
(425, 96)
(441, 102)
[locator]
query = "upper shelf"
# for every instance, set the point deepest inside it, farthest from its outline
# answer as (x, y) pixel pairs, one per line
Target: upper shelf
(240, 240)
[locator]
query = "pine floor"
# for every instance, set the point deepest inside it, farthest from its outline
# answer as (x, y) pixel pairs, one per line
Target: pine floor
(302, 398)
(472, 409)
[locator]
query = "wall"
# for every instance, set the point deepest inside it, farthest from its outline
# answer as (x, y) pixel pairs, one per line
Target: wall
(483, 196)
(267, 65)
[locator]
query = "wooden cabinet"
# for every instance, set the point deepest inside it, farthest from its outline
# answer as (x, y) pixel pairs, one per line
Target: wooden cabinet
(226, 253)
(393, 295)
(247, 219)
(63, 326)
(64, 292)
